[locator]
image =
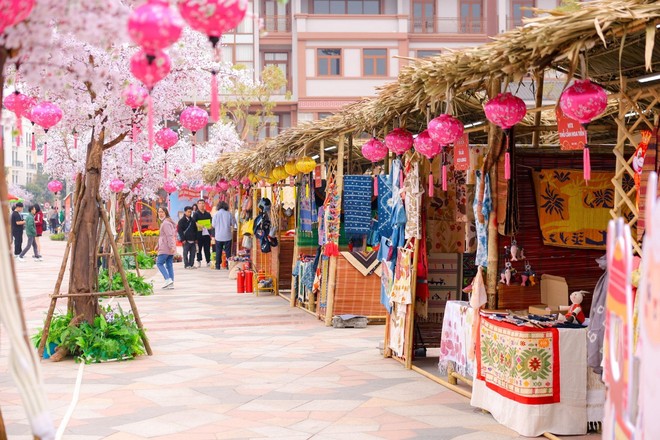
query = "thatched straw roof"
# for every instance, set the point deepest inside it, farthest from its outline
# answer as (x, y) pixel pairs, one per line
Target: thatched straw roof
(616, 37)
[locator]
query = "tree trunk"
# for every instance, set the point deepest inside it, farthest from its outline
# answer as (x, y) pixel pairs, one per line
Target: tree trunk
(3, 180)
(84, 264)
(129, 219)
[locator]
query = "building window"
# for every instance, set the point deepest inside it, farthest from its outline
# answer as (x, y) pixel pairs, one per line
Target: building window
(374, 62)
(323, 115)
(425, 53)
(328, 62)
(517, 11)
(281, 60)
(423, 16)
(472, 16)
(276, 16)
(346, 6)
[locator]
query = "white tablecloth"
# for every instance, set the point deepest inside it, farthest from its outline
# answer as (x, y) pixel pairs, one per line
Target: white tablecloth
(567, 417)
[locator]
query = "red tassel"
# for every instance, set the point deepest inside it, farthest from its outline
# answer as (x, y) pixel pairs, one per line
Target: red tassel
(75, 141)
(587, 163)
(19, 125)
(150, 122)
(401, 178)
(165, 168)
(376, 186)
(215, 103)
(45, 152)
(34, 142)
(507, 166)
(444, 177)
(193, 148)
(431, 185)
(131, 157)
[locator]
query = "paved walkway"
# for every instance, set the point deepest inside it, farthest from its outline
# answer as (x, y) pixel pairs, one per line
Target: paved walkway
(230, 366)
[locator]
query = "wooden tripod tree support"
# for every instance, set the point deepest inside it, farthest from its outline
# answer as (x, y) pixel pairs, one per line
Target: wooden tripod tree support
(127, 291)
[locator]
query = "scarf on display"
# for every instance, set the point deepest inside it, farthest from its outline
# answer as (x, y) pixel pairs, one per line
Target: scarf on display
(357, 204)
(384, 225)
(365, 263)
(307, 208)
(332, 212)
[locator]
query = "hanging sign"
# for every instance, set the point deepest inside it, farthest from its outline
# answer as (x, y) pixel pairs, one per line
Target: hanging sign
(462, 153)
(318, 178)
(572, 135)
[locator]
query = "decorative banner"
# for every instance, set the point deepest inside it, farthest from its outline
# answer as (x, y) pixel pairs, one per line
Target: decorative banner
(572, 214)
(520, 363)
(462, 153)
(318, 177)
(188, 194)
(572, 136)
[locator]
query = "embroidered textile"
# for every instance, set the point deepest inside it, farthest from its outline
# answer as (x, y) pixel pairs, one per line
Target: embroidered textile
(305, 212)
(572, 214)
(461, 196)
(413, 201)
(470, 227)
(445, 233)
(332, 212)
(482, 204)
(357, 204)
(519, 363)
(365, 263)
(288, 197)
(446, 236)
(384, 225)
(397, 328)
(456, 337)
(477, 154)
(402, 286)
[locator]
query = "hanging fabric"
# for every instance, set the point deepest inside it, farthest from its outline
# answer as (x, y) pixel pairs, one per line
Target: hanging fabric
(413, 200)
(305, 211)
(512, 217)
(332, 213)
(384, 226)
(482, 207)
(357, 204)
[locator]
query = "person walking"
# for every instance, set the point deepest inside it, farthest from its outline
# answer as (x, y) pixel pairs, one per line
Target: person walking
(203, 219)
(187, 229)
(39, 224)
(166, 247)
(52, 220)
(17, 225)
(224, 224)
(31, 232)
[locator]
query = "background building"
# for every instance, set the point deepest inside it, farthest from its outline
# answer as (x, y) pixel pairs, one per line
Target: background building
(21, 162)
(334, 52)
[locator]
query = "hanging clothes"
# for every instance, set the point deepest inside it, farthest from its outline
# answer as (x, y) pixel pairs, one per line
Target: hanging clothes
(402, 286)
(482, 205)
(357, 204)
(413, 201)
(384, 225)
(332, 212)
(305, 211)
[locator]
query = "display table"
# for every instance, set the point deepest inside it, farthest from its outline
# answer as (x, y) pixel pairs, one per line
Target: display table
(456, 336)
(532, 380)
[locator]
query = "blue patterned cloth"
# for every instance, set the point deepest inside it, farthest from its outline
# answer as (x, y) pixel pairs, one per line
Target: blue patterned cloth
(307, 206)
(481, 258)
(384, 225)
(357, 204)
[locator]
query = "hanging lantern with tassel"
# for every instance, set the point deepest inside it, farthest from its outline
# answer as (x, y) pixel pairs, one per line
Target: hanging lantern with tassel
(374, 151)
(55, 186)
(280, 173)
(426, 146)
(399, 141)
(194, 119)
(169, 187)
(116, 185)
(20, 104)
(445, 130)
(150, 69)
(146, 157)
(223, 185)
(584, 101)
(153, 26)
(505, 110)
(213, 18)
(290, 168)
(165, 139)
(46, 115)
(305, 165)
(134, 96)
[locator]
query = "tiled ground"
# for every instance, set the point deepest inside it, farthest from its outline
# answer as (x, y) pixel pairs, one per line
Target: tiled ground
(230, 366)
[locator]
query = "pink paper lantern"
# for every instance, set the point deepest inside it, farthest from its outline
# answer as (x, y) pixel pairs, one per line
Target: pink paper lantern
(55, 186)
(445, 129)
(199, 187)
(150, 69)
(399, 141)
(13, 12)
(213, 17)
(426, 146)
(166, 138)
(135, 96)
(46, 114)
(374, 150)
(208, 188)
(245, 181)
(234, 183)
(505, 110)
(184, 185)
(146, 157)
(116, 185)
(223, 185)
(194, 118)
(154, 27)
(169, 186)
(583, 101)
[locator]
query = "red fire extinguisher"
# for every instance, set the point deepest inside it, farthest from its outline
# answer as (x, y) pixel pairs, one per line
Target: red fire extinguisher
(240, 282)
(248, 281)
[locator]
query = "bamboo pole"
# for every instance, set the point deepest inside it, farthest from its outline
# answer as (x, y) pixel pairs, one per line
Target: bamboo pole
(491, 274)
(410, 333)
(332, 270)
(349, 165)
(536, 135)
(296, 249)
(621, 162)
(443, 382)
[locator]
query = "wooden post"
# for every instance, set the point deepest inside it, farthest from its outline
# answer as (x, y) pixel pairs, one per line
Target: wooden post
(624, 107)
(349, 166)
(332, 270)
(493, 239)
(410, 330)
(536, 135)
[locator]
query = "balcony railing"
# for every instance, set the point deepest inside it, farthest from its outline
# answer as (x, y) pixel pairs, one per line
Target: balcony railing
(277, 23)
(18, 163)
(448, 25)
(514, 22)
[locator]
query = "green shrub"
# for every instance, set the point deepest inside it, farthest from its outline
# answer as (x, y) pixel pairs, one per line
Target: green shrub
(113, 335)
(144, 261)
(58, 324)
(57, 237)
(137, 283)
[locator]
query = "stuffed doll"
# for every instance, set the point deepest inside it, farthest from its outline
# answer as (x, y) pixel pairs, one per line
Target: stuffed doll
(507, 273)
(575, 313)
(514, 250)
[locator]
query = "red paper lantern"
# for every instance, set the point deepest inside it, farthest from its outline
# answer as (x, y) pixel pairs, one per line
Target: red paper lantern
(505, 110)
(146, 157)
(135, 96)
(169, 186)
(223, 185)
(116, 185)
(154, 27)
(445, 129)
(13, 12)
(194, 119)
(425, 145)
(234, 183)
(46, 114)
(150, 70)
(374, 150)
(399, 141)
(55, 186)
(166, 138)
